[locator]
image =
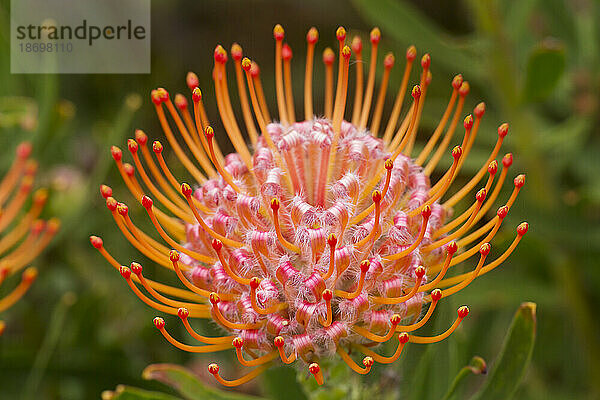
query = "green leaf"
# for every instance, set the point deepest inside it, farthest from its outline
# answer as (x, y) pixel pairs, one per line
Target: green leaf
(514, 357)
(477, 366)
(545, 67)
(130, 393)
(188, 384)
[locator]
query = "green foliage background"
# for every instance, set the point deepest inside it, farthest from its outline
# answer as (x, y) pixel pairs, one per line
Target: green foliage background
(534, 63)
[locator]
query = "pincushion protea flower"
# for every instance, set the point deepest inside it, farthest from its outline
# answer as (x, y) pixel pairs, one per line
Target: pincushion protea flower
(325, 235)
(22, 237)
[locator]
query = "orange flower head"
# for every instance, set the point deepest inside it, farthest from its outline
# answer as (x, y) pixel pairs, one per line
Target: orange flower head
(326, 233)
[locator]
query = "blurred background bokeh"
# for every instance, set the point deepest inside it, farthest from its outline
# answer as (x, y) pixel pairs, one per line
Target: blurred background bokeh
(534, 63)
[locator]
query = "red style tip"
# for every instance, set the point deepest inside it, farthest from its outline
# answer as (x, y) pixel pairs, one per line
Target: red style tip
(503, 130)
(507, 160)
(328, 56)
(522, 228)
(209, 132)
(247, 64)
(368, 362)
(403, 338)
(275, 204)
(480, 196)
(141, 137)
(155, 97)
(237, 342)
(192, 81)
(376, 196)
(428, 78)
(24, 150)
(53, 225)
(464, 89)
(452, 247)
(116, 153)
(411, 53)
(426, 212)
(129, 170)
(493, 167)
(196, 95)
(236, 52)
(346, 53)
(132, 145)
(213, 369)
(180, 101)
(105, 191)
(388, 164)
(327, 294)
(147, 202)
(220, 54)
(278, 341)
(122, 209)
(163, 94)
(214, 298)
(174, 255)
(502, 212)
(340, 34)
(364, 266)
(436, 294)
(125, 272)
(41, 195)
(457, 152)
(468, 122)
(420, 271)
(111, 204)
(388, 61)
(332, 240)
(356, 45)
(278, 32)
(157, 147)
(463, 311)
(416, 92)
(485, 249)
(519, 181)
(479, 110)
(136, 268)
(312, 36)
(375, 36)
(314, 368)
(254, 282)
(217, 245)
(286, 52)
(186, 189)
(426, 61)
(96, 242)
(457, 81)
(38, 227)
(159, 322)
(395, 319)
(183, 313)
(254, 70)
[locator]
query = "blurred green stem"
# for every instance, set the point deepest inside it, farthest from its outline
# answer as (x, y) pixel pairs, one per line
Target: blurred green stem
(477, 366)
(55, 327)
